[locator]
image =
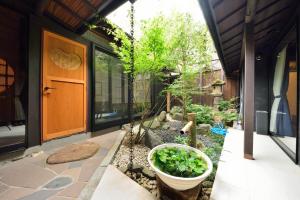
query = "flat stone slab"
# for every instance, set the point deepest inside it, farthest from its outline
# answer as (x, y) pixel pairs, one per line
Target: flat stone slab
(25, 175)
(115, 185)
(58, 183)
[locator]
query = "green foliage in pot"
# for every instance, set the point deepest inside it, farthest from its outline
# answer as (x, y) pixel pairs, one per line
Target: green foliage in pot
(179, 162)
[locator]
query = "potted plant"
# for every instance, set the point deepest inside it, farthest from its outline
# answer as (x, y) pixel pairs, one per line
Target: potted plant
(180, 166)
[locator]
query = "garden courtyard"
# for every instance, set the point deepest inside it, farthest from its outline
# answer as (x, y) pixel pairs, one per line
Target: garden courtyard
(149, 100)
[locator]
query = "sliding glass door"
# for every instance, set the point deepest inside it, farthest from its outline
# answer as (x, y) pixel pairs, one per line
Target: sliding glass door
(284, 108)
(109, 90)
(13, 80)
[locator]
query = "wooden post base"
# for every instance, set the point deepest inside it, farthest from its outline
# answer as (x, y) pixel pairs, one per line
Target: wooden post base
(167, 193)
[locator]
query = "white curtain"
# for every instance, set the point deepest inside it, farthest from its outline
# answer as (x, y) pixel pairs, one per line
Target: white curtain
(277, 84)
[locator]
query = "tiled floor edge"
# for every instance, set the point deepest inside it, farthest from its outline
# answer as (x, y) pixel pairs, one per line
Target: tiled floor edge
(89, 189)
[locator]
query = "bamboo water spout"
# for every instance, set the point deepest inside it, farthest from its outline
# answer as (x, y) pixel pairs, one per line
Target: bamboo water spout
(187, 128)
(190, 128)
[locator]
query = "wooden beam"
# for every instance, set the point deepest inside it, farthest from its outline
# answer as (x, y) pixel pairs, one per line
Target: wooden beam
(105, 8)
(168, 102)
(41, 6)
(232, 27)
(231, 13)
(249, 90)
(273, 15)
(232, 37)
(232, 45)
(90, 5)
(70, 11)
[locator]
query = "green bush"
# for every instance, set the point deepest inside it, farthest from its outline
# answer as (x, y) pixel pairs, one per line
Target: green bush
(204, 114)
(182, 140)
(179, 162)
(229, 116)
(224, 105)
(175, 109)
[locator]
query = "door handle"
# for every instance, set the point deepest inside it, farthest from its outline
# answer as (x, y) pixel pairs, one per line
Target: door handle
(49, 88)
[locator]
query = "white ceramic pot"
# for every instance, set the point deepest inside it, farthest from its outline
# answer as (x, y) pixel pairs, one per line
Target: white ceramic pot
(180, 183)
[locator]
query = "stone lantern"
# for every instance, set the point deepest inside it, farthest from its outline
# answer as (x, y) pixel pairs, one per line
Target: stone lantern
(217, 92)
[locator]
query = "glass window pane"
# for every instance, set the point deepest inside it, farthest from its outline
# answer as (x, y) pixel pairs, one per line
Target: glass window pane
(142, 94)
(283, 121)
(110, 101)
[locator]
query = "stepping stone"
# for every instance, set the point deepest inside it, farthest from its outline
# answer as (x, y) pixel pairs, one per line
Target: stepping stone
(40, 195)
(58, 183)
(115, 185)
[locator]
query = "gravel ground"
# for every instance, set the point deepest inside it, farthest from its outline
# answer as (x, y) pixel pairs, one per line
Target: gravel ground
(169, 135)
(140, 153)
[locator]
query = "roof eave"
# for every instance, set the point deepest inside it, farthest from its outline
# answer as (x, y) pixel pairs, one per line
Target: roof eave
(210, 21)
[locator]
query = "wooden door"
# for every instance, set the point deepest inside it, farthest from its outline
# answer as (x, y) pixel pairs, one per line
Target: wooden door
(64, 86)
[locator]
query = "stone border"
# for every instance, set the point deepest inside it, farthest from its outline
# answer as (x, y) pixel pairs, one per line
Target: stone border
(92, 184)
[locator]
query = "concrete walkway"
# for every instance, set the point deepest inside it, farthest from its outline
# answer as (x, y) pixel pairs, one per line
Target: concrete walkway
(31, 178)
(271, 176)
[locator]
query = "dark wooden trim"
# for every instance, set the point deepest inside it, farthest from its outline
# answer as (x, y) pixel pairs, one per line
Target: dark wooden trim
(102, 11)
(249, 90)
(232, 45)
(217, 3)
(232, 37)
(70, 11)
(231, 13)
(91, 6)
(298, 92)
(59, 21)
(267, 27)
(232, 51)
(41, 6)
(213, 29)
(271, 16)
(267, 6)
(232, 56)
(232, 27)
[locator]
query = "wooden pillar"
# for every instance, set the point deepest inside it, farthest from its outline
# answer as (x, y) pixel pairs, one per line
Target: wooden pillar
(249, 90)
(193, 133)
(168, 102)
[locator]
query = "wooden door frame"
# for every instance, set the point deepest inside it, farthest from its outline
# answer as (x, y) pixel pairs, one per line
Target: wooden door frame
(45, 32)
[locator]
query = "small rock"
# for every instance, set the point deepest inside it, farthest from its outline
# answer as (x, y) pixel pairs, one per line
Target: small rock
(175, 109)
(153, 124)
(207, 184)
(152, 139)
(147, 186)
(135, 130)
(173, 129)
(166, 126)
(149, 174)
(203, 129)
(137, 168)
(123, 169)
(207, 191)
(162, 116)
(178, 116)
(205, 197)
(200, 145)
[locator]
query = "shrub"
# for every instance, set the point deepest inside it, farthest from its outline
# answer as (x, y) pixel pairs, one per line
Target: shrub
(224, 105)
(204, 114)
(229, 116)
(182, 140)
(179, 162)
(175, 109)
